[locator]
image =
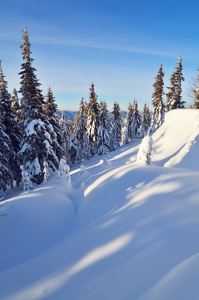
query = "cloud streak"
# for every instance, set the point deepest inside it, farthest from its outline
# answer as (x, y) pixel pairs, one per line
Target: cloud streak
(105, 46)
(90, 44)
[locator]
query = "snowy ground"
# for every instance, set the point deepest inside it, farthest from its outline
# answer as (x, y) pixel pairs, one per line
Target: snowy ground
(122, 230)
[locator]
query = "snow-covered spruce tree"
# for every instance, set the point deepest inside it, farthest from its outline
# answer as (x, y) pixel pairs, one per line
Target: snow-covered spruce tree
(144, 153)
(146, 121)
(92, 120)
(196, 94)
(158, 107)
(66, 127)
(37, 140)
(137, 121)
(179, 79)
(124, 137)
(174, 98)
(11, 126)
(129, 122)
(171, 95)
(72, 149)
(81, 139)
(116, 130)
(103, 141)
(54, 127)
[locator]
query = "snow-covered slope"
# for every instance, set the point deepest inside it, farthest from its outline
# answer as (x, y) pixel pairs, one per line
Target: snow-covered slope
(122, 230)
(176, 138)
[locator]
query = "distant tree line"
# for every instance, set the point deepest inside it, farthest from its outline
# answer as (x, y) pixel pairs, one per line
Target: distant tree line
(33, 140)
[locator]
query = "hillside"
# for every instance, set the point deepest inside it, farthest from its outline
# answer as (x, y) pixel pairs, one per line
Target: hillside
(68, 114)
(121, 230)
(71, 114)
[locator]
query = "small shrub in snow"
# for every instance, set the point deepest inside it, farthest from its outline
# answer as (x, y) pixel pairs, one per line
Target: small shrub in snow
(82, 169)
(105, 161)
(64, 170)
(144, 153)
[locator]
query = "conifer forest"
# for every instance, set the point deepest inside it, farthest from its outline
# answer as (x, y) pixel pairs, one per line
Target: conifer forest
(35, 142)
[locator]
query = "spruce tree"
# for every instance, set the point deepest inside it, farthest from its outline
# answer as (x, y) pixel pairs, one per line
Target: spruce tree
(66, 127)
(116, 130)
(146, 121)
(179, 79)
(37, 142)
(54, 127)
(158, 107)
(72, 149)
(104, 130)
(11, 127)
(92, 120)
(129, 120)
(171, 95)
(174, 98)
(80, 136)
(137, 121)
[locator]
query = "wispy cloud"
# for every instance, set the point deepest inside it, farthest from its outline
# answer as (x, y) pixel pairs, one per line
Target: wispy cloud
(8, 37)
(105, 46)
(90, 44)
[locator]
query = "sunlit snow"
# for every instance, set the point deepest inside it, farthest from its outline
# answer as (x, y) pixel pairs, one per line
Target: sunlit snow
(120, 229)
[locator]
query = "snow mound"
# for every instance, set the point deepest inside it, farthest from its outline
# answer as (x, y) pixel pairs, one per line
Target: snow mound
(184, 275)
(35, 222)
(144, 153)
(177, 138)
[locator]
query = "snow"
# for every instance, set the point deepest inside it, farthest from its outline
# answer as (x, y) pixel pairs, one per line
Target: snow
(119, 231)
(144, 153)
(178, 130)
(30, 129)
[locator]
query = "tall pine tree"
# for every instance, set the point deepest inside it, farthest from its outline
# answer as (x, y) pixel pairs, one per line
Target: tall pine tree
(92, 120)
(54, 127)
(11, 127)
(146, 121)
(158, 107)
(129, 122)
(116, 130)
(104, 130)
(137, 120)
(81, 139)
(66, 127)
(174, 97)
(37, 143)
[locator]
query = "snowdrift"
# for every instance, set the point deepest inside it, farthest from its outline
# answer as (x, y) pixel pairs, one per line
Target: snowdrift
(122, 230)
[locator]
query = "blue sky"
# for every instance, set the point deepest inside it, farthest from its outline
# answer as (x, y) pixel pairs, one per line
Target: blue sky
(118, 45)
